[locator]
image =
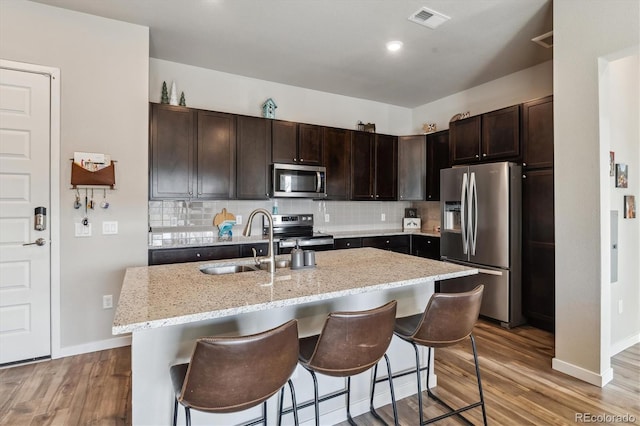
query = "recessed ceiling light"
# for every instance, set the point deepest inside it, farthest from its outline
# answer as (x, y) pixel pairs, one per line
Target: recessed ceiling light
(394, 46)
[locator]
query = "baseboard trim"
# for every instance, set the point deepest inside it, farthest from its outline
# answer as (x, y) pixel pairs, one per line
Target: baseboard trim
(625, 344)
(580, 373)
(99, 345)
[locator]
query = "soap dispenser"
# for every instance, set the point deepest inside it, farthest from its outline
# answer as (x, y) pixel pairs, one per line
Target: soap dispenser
(297, 256)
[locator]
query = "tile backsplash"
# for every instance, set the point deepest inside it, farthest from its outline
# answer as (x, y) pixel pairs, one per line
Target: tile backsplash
(191, 222)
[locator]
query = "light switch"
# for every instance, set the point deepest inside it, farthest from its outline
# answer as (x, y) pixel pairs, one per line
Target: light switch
(109, 228)
(83, 230)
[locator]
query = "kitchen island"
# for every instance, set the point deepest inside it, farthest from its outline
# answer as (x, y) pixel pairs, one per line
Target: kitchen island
(167, 307)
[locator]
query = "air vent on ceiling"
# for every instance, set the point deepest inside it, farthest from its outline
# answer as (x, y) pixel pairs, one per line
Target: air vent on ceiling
(429, 18)
(544, 40)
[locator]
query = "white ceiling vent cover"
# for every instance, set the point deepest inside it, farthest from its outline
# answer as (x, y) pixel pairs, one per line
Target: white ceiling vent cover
(429, 18)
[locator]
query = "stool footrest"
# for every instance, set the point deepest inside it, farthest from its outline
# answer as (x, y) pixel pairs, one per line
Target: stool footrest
(311, 403)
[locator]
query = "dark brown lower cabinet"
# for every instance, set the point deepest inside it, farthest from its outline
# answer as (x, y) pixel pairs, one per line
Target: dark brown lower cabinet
(193, 254)
(397, 243)
(425, 246)
(538, 249)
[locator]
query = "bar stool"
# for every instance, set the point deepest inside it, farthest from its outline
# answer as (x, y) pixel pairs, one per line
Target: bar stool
(230, 374)
(448, 319)
(350, 343)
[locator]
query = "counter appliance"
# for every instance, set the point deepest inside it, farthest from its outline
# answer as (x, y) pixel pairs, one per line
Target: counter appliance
(481, 227)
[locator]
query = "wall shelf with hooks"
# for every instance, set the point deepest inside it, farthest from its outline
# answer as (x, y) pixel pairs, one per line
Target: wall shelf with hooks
(81, 177)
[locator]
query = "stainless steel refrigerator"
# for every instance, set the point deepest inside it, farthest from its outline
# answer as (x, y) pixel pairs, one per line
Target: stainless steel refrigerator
(481, 227)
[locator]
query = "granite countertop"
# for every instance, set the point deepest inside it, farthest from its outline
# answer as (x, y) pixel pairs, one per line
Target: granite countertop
(164, 295)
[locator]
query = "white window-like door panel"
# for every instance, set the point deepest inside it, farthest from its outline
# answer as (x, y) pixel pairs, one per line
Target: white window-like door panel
(25, 277)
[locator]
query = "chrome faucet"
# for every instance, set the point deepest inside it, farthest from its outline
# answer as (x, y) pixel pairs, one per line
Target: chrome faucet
(270, 259)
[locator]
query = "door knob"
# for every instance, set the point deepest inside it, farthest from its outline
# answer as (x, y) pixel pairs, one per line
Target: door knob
(38, 242)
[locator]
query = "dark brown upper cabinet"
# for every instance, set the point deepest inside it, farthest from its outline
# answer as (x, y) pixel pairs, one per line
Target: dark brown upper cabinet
(374, 167)
(191, 153)
(296, 143)
(337, 160)
(437, 159)
(412, 167)
(487, 137)
(464, 138)
(537, 133)
(501, 134)
(253, 153)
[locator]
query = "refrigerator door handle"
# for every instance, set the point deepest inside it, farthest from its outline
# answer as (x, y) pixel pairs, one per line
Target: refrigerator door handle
(473, 214)
(463, 219)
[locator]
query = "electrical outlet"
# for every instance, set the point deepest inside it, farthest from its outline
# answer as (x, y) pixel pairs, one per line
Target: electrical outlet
(620, 306)
(238, 219)
(83, 230)
(383, 217)
(109, 228)
(327, 218)
(107, 301)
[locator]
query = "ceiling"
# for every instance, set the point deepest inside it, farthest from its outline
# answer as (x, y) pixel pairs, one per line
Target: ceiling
(338, 46)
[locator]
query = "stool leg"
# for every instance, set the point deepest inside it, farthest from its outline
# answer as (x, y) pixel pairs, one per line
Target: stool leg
(280, 405)
(349, 419)
(316, 403)
(393, 394)
(431, 394)
(264, 413)
(175, 411)
(294, 404)
(373, 390)
(475, 358)
(415, 347)
(187, 414)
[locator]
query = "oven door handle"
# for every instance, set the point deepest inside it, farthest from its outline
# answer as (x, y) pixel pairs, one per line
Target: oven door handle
(306, 242)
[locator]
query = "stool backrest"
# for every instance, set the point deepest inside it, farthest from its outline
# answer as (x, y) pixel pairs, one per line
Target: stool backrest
(228, 374)
(449, 318)
(353, 342)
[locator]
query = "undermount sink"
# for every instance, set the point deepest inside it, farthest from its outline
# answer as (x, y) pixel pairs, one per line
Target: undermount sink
(227, 269)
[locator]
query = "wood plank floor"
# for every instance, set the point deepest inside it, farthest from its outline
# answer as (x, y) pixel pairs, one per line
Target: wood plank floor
(519, 385)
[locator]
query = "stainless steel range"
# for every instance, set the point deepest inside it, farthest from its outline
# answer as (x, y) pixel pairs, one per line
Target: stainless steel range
(289, 228)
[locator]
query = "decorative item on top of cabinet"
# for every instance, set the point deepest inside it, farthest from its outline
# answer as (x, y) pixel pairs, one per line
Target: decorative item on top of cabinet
(173, 95)
(429, 127)
(164, 97)
(269, 108)
(183, 101)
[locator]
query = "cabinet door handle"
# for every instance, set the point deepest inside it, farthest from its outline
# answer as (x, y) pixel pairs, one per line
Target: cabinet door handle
(371, 195)
(477, 156)
(295, 160)
(484, 155)
(524, 164)
(524, 176)
(348, 244)
(377, 196)
(197, 254)
(387, 241)
(301, 160)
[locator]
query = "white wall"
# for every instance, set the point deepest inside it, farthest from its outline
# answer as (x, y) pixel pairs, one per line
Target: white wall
(104, 108)
(530, 83)
(621, 116)
(219, 91)
(581, 36)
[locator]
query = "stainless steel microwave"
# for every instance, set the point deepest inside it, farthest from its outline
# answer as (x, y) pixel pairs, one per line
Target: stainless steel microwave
(292, 180)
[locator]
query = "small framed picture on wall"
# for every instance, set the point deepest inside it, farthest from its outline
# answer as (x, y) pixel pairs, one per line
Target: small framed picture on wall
(629, 207)
(621, 175)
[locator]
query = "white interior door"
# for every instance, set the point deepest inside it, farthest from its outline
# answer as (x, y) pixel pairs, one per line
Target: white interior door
(25, 269)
